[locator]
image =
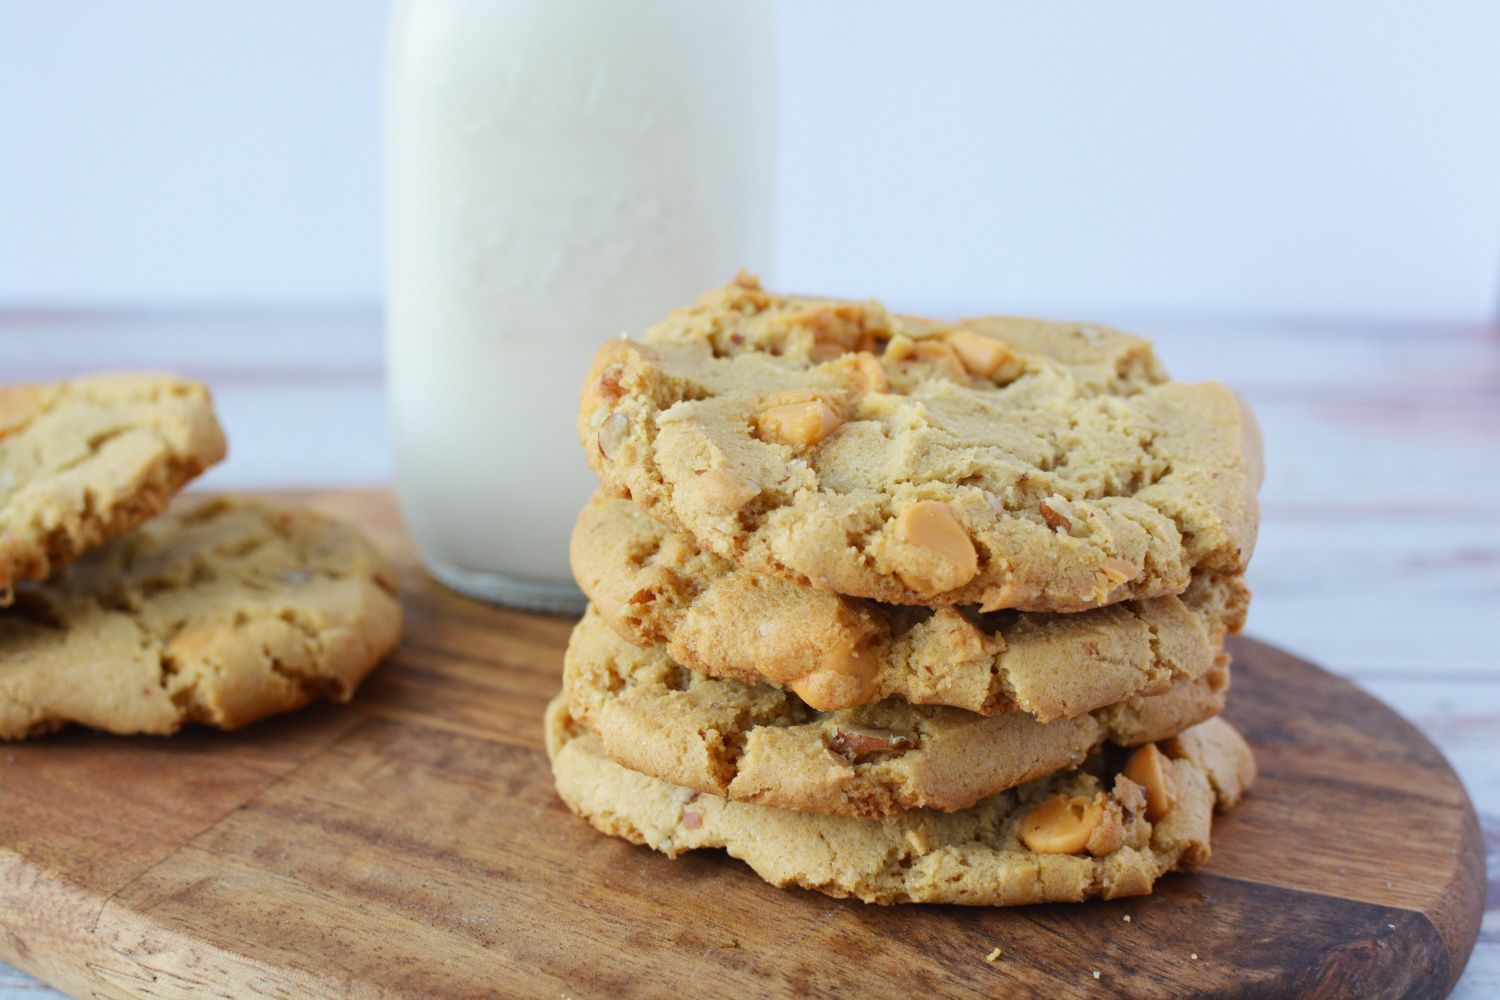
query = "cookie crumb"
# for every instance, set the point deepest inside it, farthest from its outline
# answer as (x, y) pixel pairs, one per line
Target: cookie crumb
(992, 956)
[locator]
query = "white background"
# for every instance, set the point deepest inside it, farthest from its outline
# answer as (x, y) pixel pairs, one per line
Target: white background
(1268, 159)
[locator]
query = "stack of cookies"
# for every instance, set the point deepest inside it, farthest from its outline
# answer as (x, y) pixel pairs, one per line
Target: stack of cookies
(906, 610)
(122, 615)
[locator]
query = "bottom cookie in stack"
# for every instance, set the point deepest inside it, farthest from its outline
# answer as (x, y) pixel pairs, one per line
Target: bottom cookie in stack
(893, 802)
(1061, 838)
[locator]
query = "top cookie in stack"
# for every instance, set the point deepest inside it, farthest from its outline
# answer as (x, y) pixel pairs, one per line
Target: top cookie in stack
(1000, 462)
(901, 578)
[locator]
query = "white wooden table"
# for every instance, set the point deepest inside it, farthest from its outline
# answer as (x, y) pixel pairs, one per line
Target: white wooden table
(1379, 552)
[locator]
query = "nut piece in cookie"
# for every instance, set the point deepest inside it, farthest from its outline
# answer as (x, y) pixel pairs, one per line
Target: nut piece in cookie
(853, 742)
(612, 433)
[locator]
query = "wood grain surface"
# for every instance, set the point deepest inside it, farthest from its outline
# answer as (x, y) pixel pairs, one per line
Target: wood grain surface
(411, 845)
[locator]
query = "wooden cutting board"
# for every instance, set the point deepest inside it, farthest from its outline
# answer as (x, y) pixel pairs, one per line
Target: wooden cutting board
(410, 845)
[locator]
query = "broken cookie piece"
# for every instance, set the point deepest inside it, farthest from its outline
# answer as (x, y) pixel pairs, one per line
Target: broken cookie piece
(85, 461)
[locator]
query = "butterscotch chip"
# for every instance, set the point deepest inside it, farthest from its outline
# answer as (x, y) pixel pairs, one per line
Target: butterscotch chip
(758, 743)
(899, 348)
(1057, 826)
(844, 675)
(974, 856)
(654, 585)
(938, 353)
(85, 461)
(1072, 824)
(944, 557)
(1147, 768)
(980, 355)
(1158, 478)
(221, 612)
(798, 421)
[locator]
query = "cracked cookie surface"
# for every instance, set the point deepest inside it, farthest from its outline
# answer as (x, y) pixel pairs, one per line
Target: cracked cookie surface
(759, 743)
(1001, 462)
(222, 612)
(975, 856)
(655, 586)
(84, 461)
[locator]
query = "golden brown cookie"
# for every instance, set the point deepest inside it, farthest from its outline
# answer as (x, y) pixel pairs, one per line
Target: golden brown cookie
(655, 586)
(999, 462)
(1011, 849)
(222, 612)
(759, 743)
(84, 461)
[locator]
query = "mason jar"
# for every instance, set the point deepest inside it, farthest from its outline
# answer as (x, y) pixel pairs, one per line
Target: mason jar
(557, 172)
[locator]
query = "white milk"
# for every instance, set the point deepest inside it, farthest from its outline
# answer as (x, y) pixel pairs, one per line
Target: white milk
(557, 172)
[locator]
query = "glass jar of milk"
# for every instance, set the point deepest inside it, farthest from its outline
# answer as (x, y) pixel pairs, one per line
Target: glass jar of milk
(557, 172)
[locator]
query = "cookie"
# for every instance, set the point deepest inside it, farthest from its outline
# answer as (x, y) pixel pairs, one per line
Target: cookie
(222, 612)
(85, 461)
(998, 462)
(655, 586)
(978, 856)
(763, 744)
